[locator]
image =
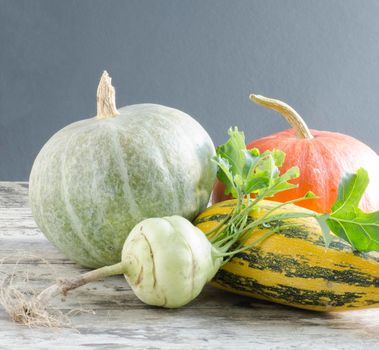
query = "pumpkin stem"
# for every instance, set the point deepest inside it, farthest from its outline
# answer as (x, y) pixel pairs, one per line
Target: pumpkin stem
(289, 114)
(106, 98)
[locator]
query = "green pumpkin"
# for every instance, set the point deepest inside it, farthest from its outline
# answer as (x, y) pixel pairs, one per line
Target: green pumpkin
(95, 179)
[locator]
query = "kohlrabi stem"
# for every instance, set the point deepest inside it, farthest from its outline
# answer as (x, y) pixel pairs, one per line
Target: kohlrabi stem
(106, 98)
(293, 118)
(249, 207)
(231, 233)
(275, 218)
(238, 216)
(65, 285)
(244, 238)
(266, 215)
(222, 223)
(255, 243)
(233, 217)
(284, 204)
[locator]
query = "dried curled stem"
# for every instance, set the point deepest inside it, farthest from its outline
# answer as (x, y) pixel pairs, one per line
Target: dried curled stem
(293, 118)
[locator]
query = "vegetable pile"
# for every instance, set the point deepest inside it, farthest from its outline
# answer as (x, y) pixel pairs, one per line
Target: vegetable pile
(247, 172)
(243, 244)
(299, 262)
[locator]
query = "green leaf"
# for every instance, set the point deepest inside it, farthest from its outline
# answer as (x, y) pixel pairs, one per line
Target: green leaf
(281, 182)
(322, 221)
(350, 191)
(310, 195)
(254, 152)
(251, 159)
(350, 223)
(224, 174)
(279, 187)
(266, 165)
(256, 183)
(279, 157)
(234, 162)
(360, 229)
(291, 173)
(238, 180)
(233, 149)
(246, 171)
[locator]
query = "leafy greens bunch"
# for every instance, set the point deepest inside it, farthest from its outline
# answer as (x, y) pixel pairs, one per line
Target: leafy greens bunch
(250, 176)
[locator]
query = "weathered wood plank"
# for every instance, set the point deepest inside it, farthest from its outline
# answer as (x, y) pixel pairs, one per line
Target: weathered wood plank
(13, 194)
(215, 320)
(235, 327)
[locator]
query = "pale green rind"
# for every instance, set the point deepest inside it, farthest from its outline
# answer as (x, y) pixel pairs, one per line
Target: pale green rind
(95, 179)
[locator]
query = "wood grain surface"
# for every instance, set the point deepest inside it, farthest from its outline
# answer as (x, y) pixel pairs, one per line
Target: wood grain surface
(116, 319)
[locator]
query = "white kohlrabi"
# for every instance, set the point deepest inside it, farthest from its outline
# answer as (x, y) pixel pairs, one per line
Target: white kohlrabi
(167, 261)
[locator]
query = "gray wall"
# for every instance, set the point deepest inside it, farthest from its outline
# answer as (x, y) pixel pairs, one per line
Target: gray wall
(203, 57)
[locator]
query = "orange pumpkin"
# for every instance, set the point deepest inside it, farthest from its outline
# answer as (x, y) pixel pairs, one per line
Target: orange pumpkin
(322, 156)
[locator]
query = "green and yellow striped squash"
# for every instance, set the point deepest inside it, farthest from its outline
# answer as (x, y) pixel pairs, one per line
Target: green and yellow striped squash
(293, 267)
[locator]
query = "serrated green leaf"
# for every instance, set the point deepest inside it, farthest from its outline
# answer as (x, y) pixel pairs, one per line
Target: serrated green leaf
(280, 187)
(232, 150)
(266, 167)
(250, 161)
(248, 171)
(281, 183)
(256, 183)
(291, 173)
(225, 175)
(279, 157)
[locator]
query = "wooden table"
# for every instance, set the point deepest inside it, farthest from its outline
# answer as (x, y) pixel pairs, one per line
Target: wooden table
(216, 320)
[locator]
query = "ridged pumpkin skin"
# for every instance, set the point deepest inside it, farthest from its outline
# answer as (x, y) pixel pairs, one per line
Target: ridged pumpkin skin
(293, 267)
(322, 161)
(96, 178)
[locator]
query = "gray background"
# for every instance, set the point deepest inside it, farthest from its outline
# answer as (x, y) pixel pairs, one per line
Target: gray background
(203, 57)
